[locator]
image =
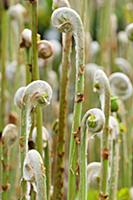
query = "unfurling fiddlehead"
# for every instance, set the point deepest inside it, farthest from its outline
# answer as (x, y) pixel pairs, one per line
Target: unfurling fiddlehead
(34, 172)
(46, 156)
(121, 85)
(9, 137)
(93, 175)
(45, 49)
(37, 93)
(93, 121)
(101, 85)
(28, 98)
(67, 20)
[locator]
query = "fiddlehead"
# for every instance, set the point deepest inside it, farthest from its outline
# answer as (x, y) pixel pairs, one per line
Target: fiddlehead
(93, 175)
(34, 171)
(9, 138)
(93, 121)
(121, 85)
(67, 20)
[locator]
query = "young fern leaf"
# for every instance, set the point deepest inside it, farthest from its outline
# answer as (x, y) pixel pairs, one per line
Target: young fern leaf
(67, 20)
(34, 172)
(92, 121)
(121, 85)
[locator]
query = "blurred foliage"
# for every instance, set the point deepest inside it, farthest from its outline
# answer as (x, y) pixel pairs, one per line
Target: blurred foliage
(123, 194)
(93, 194)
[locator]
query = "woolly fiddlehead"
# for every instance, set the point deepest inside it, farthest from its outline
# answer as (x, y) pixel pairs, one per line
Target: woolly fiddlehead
(121, 86)
(101, 85)
(93, 121)
(124, 66)
(59, 172)
(93, 175)
(67, 20)
(34, 172)
(28, 98)
(47, 158)
(26, 42)
(37, 93)
(9, 137)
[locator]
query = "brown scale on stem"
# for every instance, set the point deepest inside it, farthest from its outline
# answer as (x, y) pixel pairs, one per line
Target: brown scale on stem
(103, 196)
(81, 70)
(6, 187)
(105, 154)
(77, 135)
(77, 169)
(79, 98)
(21, 142)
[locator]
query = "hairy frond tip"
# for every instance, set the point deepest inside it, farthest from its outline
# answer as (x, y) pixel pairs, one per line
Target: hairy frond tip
(66, 20)
(113, 127)
(9, 135)
(17, 12)
(101, 82)
(45, 49)
(45, 135)
(18, 98)
(94, 119)
(129, 31)
(121, 85)
(93, 175)
(60, 3)
(38, 93)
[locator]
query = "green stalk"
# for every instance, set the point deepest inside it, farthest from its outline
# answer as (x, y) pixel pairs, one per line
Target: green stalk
(83, 164)
(4, 34)
(5, 178)
(23, 137)
(59, 167)
(9, 137)
(103, 33)
(48, 169)
(35, 69)
(14, 172)
(39, 142)
(114, 170)
(101, 84)
(28, 66)
(1, 158)
(126, 161)
(35, 74)
(105, 150)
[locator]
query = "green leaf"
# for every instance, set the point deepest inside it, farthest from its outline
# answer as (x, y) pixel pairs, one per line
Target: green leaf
(92, 194)
(123, 194)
